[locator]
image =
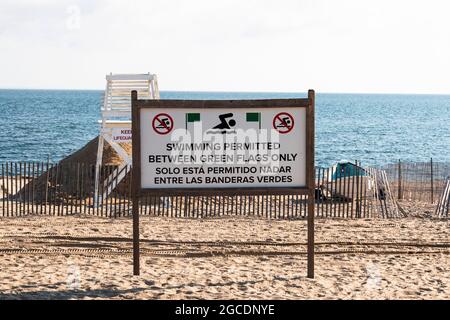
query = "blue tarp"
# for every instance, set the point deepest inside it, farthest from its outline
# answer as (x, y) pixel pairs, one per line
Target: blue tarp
(347, 169)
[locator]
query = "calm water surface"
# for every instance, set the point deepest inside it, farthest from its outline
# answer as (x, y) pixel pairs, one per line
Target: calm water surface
(373, 128)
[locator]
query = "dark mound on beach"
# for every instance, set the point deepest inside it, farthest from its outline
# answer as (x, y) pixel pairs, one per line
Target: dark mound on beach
(88, 154)
(74, 176)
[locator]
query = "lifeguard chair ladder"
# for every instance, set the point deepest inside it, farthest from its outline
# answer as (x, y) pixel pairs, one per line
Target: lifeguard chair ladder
(116, 115)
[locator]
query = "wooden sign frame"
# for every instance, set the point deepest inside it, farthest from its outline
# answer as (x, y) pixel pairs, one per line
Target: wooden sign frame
(308, 190)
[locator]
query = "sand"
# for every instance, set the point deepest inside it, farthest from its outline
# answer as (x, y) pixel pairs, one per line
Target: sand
(227, 258)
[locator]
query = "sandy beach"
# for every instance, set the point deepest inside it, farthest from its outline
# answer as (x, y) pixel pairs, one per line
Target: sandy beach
(225, 258)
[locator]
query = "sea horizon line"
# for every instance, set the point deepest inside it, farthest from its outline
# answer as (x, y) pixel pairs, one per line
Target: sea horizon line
(233, 91)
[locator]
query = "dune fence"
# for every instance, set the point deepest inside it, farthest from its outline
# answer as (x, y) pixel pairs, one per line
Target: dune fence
(66, 188)
(443, 206)
(418, 181)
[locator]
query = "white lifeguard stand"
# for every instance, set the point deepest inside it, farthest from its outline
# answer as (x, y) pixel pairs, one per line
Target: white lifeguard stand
(116, 123)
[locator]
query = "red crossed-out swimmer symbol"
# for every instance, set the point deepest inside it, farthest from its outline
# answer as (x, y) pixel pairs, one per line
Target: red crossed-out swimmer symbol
(162, 123)
(283, 122)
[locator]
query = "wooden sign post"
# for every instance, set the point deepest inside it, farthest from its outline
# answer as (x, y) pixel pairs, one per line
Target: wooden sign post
(231, 147)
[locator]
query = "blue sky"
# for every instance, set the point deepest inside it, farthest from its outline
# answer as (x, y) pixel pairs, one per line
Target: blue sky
(234, 45)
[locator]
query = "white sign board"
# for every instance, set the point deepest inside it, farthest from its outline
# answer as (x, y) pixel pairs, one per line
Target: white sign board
(226, 148)
(121, 135)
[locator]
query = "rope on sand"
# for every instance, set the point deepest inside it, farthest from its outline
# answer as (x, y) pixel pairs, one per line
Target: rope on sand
(323, 241)
(209, 253)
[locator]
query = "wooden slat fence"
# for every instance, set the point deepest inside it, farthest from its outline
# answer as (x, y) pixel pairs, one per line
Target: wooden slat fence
(443, 206)
(418, 181)
(68, 189)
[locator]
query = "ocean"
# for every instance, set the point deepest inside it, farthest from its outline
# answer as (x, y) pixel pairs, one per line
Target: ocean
(375, 129)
